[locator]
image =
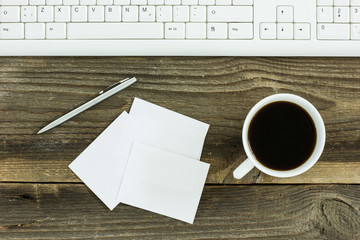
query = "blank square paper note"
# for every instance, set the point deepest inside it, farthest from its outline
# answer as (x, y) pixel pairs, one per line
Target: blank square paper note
(163, 182)
(168, 130)
(102, 164)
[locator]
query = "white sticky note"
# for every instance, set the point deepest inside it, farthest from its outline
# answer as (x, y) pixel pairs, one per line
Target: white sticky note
(102, 164)
(165, 129)
(163, 182)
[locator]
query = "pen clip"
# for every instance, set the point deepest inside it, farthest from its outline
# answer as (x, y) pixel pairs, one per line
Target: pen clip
(113, 85)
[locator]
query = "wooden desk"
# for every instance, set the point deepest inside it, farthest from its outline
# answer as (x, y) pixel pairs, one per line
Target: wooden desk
(41, 198)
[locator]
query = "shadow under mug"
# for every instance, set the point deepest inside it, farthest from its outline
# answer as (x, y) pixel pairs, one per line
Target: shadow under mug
(252, 162)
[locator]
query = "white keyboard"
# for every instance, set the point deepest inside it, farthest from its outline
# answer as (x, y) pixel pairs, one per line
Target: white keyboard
(180, 27)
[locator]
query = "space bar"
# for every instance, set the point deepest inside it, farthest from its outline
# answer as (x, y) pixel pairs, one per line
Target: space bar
(115, 30)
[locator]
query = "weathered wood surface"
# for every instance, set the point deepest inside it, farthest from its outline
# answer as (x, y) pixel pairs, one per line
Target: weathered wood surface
(64, 211)
(219, 91)
(40, 198)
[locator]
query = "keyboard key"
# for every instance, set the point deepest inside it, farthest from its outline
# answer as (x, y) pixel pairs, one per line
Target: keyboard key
(35, 31)
(284, 31)
(230, 14)
(223, 2)
(325, 2)
(355, 14)
(138, 2)
(10, 14)
(241, 30)
(113, 14)
(197, 13)
(71, 2)
(45, 13)
(181, 14)
(206, 2)
(62, 14)
(130, 13)
(96, 14)
(28, 14)
(156, 2)
(217, 30)
(333, 31)
(355, 2)
(13, 2)
(302, 31)
(325, 14)
(163, 13)
(56, 30)
(11, 30)
(54, 2)
(121, 2)
(147, 14)
(195, 30)
(104, 2)
(267, 31)
(341, 2)
(172, 2)
(115, 30)
(79, 13)
(355, 31)
(342, 14)
(189, 2)
(243, 2)
(175, 30)
(37, 2)
(88, 2)
(285, 13)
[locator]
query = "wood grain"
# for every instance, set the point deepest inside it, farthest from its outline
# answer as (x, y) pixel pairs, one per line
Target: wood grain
(64, 211)
(219, 91)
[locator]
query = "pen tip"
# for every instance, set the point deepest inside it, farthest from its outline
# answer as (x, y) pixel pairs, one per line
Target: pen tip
(41, 131)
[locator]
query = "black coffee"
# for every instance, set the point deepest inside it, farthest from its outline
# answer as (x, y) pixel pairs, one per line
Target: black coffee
(282, 135)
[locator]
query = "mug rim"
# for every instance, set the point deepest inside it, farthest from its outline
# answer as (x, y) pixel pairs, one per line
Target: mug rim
(319, 127)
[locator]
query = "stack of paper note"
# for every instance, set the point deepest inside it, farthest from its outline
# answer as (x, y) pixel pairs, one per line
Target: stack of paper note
(149, 159)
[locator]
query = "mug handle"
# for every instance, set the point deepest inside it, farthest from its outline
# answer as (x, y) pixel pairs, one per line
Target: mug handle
(243, 169)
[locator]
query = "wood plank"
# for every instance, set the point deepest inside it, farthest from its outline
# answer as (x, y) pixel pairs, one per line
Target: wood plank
(322, 172)
(64, 211)
(219, 91)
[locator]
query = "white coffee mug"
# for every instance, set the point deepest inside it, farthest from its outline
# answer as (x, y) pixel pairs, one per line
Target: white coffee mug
(252, 162)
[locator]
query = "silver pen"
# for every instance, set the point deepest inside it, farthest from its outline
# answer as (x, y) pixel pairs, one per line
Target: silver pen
(104, 94)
